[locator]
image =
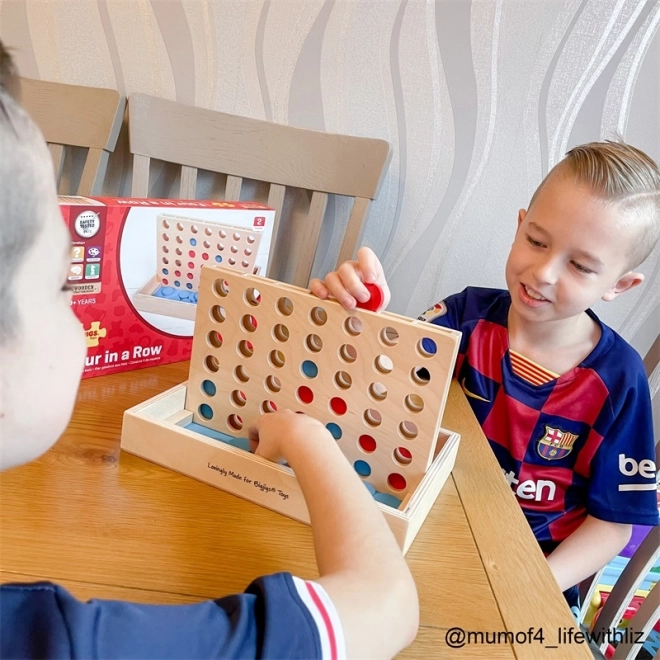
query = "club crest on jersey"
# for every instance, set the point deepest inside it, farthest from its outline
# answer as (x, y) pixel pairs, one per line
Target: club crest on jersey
(555, 444)
(438, 310)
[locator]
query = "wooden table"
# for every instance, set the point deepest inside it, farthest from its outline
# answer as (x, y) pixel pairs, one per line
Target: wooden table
(107, 524)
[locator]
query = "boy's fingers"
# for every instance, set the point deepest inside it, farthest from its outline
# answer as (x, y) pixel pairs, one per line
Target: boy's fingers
(369, 265)
(337, 288)
(318, 288)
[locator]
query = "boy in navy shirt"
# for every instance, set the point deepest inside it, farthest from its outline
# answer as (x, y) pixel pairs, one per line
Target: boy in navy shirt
(562, 398)
(364, 604)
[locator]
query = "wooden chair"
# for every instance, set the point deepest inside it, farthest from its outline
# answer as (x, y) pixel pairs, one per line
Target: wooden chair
(279, 157)
(73, 117)
(633, 574)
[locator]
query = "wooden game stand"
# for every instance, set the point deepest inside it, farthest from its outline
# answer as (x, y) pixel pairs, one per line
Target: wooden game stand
(155, 430)
(241, 342)
(145, 301)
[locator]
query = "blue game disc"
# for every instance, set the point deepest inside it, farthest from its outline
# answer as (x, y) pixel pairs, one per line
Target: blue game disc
(387, 499)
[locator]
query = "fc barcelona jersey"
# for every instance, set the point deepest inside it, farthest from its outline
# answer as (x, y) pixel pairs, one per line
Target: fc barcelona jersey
(577, 444)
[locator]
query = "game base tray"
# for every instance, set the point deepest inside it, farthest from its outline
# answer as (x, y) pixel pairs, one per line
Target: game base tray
(155, 430)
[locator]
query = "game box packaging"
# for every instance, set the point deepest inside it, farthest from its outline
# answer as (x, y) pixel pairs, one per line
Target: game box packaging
(135, 267)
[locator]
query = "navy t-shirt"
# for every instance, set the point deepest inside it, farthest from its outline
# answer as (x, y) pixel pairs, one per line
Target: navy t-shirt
(268, 620)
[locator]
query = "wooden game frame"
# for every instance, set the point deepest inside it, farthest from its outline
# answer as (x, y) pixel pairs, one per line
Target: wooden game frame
(154, 430)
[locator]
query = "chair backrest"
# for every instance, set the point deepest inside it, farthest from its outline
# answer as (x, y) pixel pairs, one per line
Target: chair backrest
(259, 151)
(71, 116)
(634, 572)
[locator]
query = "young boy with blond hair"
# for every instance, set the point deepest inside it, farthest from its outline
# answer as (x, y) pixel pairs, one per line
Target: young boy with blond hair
(561, 397)
(364, 603)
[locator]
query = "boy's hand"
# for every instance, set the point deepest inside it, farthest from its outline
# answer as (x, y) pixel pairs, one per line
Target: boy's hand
(275, 436)
(346, 284)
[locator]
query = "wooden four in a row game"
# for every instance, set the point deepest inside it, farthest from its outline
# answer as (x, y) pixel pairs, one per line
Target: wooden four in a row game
(378, 381)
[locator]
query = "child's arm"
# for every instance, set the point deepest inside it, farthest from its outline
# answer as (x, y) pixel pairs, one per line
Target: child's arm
(587, 550)
(346, 283)
(361, 566)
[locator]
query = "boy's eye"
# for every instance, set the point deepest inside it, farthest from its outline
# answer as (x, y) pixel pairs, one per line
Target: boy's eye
(581, 268)
(533, 242)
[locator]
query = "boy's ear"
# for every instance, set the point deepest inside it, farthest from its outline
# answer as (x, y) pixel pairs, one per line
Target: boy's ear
(626, 282)
(521, 216)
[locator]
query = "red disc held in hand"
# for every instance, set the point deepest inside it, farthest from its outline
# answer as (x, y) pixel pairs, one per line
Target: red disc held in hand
(375, 300)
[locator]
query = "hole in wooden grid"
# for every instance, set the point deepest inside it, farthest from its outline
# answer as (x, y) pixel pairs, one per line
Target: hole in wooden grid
(238, 398)
(314, 343)
(166, 224)
(205, 411)
(232, 261)
(335, 430)
(252, 296)
(241, 374)
(250, 239)
(236, 236)
(214, 339)
(165, 237)
(309, 369)
(166, 260)
(281, 332)
(277, 359)
(378, 391)
(249, 323)
(245, 348)
(402, 456)
(178, 252)
(396, 482)
(389, 336)
(208, 387)
(208, 231)
(367, 443)
(166, 249)
(285, 307)
(179, 240)
(414, 403)
(235, 422)
(420, 375)
(348, 353)
(268, 407)
(408, 430)
(372, 417)
(273, 384)
(222, 233)
(220, 246)
(179, 226)
(338, 405)
(318, 316)
(247, 252)
(207, 245)
(383, 364)
(212, 363)
(218, 314)
(426, 347)
(343, 380)
(245, 264)
(353, 326)
(234, 249)
(221, 288)
(305, 394)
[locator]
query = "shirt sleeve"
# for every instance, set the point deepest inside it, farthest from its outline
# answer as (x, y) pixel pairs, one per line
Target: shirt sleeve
(269, 620)
(623, 487)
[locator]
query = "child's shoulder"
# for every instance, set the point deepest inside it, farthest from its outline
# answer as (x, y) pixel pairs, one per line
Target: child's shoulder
(616, 362)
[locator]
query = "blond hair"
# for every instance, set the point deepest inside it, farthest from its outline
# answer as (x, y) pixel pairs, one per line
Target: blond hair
(620, 175)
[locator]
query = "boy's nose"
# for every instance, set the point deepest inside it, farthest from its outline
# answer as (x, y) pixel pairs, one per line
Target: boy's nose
(545, 271)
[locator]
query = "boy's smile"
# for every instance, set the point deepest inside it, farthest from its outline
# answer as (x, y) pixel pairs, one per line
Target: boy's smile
(570, 250)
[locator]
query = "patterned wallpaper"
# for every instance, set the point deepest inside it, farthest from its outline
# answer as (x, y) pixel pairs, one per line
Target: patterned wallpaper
(479, 99)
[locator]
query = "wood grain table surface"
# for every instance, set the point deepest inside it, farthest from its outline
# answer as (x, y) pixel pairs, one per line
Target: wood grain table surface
(106, 524)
